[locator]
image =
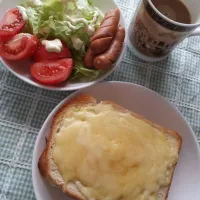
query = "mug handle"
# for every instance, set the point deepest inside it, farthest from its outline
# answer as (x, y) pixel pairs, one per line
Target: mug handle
(195, 32)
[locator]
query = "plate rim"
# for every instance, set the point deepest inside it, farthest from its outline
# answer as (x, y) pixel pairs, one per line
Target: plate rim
(74, 94)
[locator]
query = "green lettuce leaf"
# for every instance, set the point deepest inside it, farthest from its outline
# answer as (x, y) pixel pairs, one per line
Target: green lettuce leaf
(79, 72)
(52, 15)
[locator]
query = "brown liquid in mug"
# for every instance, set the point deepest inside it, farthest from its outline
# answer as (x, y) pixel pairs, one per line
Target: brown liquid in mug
(174, 10)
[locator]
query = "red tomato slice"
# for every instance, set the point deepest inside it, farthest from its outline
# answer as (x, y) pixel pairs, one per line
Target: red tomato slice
(41, 54)
(12, 23)
(52, 72)
(19, 47)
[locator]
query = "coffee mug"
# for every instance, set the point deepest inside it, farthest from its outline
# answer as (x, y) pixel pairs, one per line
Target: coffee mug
(152, 36)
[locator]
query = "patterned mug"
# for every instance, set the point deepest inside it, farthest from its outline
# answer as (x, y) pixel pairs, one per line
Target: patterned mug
(152, 36)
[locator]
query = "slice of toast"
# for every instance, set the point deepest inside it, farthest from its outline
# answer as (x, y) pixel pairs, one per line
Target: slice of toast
(49, 169)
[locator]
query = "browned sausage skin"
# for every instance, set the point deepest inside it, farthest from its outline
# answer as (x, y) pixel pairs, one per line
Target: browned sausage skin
(100, 45)
(89, 58)
(108, 26)
(103, 37)
(106, 60)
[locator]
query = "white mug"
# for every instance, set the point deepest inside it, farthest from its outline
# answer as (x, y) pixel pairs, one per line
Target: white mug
(152, 36)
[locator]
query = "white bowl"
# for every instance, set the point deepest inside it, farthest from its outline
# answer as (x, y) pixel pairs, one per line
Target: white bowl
(21, 68)
(186, 181)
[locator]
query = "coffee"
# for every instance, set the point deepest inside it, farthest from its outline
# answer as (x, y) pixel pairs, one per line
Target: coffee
(152, 35)
(174, 10)
(154, 30)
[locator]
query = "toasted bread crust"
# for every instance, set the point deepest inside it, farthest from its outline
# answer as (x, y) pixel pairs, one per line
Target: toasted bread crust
(44, 165)
(161, 128)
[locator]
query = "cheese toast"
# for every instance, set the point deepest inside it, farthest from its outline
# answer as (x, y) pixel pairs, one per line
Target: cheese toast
(103, 151)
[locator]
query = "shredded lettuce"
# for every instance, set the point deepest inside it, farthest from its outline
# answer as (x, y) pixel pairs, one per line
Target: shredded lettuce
(48, 20)
(79, 71)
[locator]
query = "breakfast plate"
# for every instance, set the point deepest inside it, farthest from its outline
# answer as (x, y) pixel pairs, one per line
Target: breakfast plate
(21, 69)
(185, 184)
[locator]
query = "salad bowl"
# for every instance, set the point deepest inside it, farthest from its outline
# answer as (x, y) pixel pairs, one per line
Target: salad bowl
(21, 69)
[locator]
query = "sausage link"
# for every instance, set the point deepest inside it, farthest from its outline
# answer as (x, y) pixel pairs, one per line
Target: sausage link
(110, 21)
(88, 59)
(106, 60)
(108, 26)
(111, 13)
(103, 37)
(101, 45)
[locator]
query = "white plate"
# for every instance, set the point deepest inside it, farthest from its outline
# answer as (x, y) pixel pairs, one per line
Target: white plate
(186, 181)
(21, 68)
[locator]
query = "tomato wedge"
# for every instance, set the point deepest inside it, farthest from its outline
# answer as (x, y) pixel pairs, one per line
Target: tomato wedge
(12, 23)
(19, 47)
(41, 54)
(52, 72)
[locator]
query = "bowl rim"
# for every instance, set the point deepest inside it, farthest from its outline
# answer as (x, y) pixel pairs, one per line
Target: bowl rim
(84, 84)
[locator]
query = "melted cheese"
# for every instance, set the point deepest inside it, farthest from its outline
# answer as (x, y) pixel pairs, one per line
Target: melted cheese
(112, 155)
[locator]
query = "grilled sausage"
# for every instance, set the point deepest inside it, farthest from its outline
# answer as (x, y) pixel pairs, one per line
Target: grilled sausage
(100, 45)
(103, 37)
(108, 26)
(106, 60)
(88, 59)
